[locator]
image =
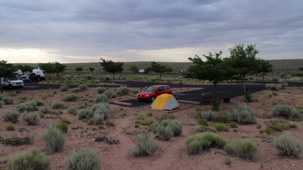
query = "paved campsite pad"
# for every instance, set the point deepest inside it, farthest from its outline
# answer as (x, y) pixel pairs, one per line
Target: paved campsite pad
(201, 96)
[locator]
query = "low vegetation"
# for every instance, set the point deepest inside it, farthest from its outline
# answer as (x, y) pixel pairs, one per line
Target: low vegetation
(203, 141)
(30, 106)
(286, 111)
(288, 145)
(54, 139)
(243, 115)
(62, 126)
(30, 160)
(83, 159)
(12, 117)
(278, 126)
(57, 105)
(242, 148)
(145, 146)
(70, 98)
(102, 99)
(166, 129)
(32, 118)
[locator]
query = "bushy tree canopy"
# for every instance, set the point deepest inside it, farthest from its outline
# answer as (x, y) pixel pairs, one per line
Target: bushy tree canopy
(6, 70)
(213, 69)
(159, 68)
(52, 68)
(111, 67)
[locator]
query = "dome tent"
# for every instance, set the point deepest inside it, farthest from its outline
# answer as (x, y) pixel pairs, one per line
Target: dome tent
(165, 102)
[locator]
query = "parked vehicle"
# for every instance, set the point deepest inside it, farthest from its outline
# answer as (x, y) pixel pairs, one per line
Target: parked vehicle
(150, 93)
(37, 75)
(9, 83)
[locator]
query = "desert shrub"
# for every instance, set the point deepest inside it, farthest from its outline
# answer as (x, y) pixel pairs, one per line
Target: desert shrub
(1, 103)
(122, 91)
(215, 104)
(203, 141)
(101, 112)
(29, 106)
(278, 126)
(62, 126)
(70, 98)
(44, 110)
(287, 112)
(54, 139)
(221, 127)
(72, 111)
(165, 129)
(8, 101)
(102, 98)
(145, 146)
(216, 116)
(84, 159)
(100, 90)
(30, 160)
(109, 93)
(32, 118)
(242, 148)
(144, 119)
(83, 87)
(57, 105)
(243, 115)
(85, 113)
(248, 97)
(287, 145)
(10, 127)
(11, 117)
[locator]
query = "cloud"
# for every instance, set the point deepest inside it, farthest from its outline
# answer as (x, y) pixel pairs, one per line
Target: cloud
(84, 30)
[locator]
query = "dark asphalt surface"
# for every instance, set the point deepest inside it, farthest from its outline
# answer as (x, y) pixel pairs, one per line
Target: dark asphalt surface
(202, 95)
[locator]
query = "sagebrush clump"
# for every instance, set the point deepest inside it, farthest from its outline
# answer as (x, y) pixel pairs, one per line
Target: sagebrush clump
(62, 126)
(32, 118)
(57, 105)
(29, 106)
(203, 141)
(30, 160)
(286, 111)
(288, 145)
(242, 148)
(122, 91)
(216, 116)
(167, 128)
(243, 115)
(12, 117)
(102, 98)
(100, 90)
(54, 139)
(145, 146)
(84, 159)
(70, 98)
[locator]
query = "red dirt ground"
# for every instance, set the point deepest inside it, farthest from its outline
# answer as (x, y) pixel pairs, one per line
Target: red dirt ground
(172, 154)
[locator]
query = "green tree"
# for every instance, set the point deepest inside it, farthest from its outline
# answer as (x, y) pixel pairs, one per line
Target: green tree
(111, 67)
(6, 70)
(243, 60)
(263, 67)
(24, 67)
(134, 69)
(91, 69)
(159, 68)
(79, 69)
(213, 69)
(53, 68)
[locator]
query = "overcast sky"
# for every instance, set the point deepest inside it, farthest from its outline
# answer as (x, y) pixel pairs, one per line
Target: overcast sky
(145, 30)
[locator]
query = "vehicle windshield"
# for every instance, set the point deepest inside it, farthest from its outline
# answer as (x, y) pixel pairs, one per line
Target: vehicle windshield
(149, 89)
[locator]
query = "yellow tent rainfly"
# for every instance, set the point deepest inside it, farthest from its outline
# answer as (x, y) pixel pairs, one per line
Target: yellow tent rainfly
(165, 102)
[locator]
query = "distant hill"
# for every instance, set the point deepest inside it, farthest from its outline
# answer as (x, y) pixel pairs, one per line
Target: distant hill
(291, 65)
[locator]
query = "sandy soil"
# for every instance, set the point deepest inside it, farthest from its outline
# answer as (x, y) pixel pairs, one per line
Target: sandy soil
(172, 154)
